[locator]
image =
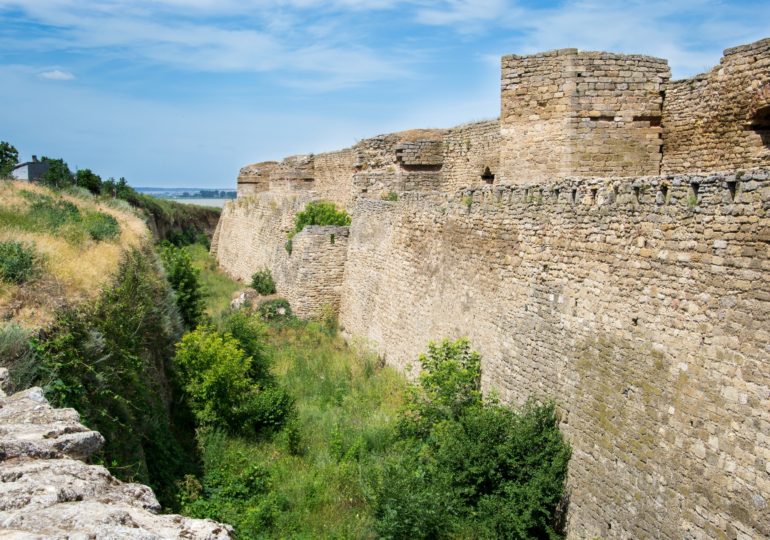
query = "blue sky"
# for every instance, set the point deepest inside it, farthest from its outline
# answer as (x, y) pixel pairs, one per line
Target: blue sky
(185, 92)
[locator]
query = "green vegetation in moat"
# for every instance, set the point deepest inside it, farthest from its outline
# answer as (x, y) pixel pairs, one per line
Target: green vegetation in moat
(361, 453)
(184, 279)
(216, 287)
(262, 282)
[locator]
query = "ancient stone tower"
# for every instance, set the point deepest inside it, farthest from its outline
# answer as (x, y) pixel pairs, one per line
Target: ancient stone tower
(569, 113)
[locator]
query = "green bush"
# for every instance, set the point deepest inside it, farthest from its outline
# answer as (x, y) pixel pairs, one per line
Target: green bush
(251, 334)
(262, 282)
(222, 392)
(184, 279)
(9, 158)
(18, 355)
(274, 310)
(237, 491)
(18, 262)
(449, 384)
(318, 213)
(466, 468)
(101, 226)
(86, 178)
(51, 215)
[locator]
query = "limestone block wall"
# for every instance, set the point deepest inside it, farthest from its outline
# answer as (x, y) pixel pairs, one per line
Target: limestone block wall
(311, 277)
(641, 305)
(714, 121)
(569, 113)
(255, 178)
(252, 234)
(252, 231)
(420, 154)
(469, 150)
(333, 171)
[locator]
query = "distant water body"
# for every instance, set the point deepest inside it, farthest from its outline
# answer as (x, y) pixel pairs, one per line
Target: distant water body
(219, 203)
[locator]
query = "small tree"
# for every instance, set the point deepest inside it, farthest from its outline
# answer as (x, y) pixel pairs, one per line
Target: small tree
(470, 468)
(184, 280)
(262, 282)
(86, 178)
(58, 174)
(449, 384)
(221, 385)
(9, 158)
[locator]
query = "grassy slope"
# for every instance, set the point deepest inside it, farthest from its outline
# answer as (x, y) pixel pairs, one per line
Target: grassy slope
(76, 266)
(346, 404)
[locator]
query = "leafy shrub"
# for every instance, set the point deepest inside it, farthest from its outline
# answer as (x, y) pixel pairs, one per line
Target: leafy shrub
(466, 468)
(86, 178)
(184, 279)
(188, 236)
(251, 334)
(391, 196)
(274, 310)
(237, 490)
(266, 409)
(218, 379)
(262, 282)
(51, 215)
(101, 226)
(318, 213)
(18, 262)
(17, 354)
(9, 158)
(449, 384)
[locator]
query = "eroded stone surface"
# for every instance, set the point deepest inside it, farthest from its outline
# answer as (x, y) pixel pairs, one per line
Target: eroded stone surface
(46, 491)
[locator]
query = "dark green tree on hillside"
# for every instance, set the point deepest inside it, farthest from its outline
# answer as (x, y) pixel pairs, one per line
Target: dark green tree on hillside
(86, 178)
(58, 174)
(9, 158)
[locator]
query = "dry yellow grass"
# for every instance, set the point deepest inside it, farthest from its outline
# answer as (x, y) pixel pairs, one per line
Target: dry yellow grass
(72, 272)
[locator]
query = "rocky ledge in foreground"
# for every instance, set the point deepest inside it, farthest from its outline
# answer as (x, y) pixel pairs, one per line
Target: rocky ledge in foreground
(47, 492)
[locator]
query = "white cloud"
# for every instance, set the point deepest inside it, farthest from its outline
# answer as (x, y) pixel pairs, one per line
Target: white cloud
(220, 36)
(690, 34)
(57, 75)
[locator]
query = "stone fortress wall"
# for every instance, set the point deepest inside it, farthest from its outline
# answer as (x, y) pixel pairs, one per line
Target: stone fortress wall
(606, 243)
